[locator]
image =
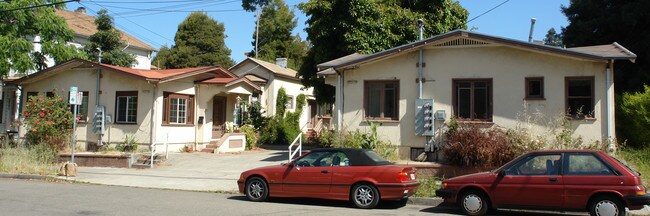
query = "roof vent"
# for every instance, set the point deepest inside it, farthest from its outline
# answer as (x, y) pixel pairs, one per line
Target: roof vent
(80, 10)
(282, 62)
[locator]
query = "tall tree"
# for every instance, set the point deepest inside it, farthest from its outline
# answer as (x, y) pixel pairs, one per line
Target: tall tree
(108, 39)
(596, 22)
(161, 57)
(341, 27)
(252, 5)
(553, 38)
(19, 26)
(199, 41)
(274, 39)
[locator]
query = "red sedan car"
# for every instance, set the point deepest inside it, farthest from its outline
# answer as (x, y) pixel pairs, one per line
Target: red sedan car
(358, 175)
(568, 180)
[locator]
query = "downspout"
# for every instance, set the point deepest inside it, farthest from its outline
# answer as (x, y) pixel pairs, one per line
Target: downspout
(420, 26)
(97, 90)
(195, 116)
(152, 122)
(610, 120)
(339, 94)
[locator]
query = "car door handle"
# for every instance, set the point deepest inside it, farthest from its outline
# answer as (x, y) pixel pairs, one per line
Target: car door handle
(552, 179)
(324, 171)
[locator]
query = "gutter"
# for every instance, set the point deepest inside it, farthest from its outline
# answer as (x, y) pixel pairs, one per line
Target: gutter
(608, 109)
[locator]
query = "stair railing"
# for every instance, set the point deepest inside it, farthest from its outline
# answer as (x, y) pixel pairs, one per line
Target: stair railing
(298, 149)
(153, 150)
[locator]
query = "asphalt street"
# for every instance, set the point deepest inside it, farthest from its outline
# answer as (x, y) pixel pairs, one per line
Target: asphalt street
(24, 197)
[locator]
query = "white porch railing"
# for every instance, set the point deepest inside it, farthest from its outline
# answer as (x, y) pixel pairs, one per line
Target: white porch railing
(298, 149)
(153, 150)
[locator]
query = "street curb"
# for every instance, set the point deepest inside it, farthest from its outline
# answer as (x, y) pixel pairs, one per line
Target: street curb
(641, 212)
(425, 201)
(24, 176)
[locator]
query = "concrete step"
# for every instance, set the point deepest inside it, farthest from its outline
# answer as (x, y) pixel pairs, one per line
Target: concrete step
(211, 146)
(207, 150)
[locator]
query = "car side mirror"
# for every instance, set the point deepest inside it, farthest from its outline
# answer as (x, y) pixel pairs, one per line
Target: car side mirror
(502, 173)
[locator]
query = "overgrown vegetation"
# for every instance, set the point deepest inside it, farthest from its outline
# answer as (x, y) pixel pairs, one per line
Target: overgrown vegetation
(358, 139)
(36, 159)
(633, 118)
(130, 143)
(284, 126)
(251, 136)
(428, 186)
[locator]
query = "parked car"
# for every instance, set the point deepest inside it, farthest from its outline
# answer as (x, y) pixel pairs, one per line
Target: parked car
(567, 180)
(358, 175)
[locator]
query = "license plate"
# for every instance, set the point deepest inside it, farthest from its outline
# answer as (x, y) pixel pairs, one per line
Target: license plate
(412, 176)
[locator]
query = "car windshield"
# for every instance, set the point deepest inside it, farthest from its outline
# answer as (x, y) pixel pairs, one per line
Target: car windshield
(375, 157)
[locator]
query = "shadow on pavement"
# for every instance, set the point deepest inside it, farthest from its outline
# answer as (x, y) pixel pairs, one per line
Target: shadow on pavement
(453, 210)
(277, 157)
(319, 202)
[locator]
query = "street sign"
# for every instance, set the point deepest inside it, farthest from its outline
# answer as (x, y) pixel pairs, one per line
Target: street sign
(80, 98)
(73, 95)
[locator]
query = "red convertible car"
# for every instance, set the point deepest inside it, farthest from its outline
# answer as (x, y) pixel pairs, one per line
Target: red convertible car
(571, 180)
(358, 175)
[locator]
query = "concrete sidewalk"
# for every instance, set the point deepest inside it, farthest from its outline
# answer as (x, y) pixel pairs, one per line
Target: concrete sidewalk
(185, 171)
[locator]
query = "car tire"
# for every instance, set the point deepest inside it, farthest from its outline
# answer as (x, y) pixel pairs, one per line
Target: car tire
(364, 196)
(256, 189)
(473, 203)
(606, 205)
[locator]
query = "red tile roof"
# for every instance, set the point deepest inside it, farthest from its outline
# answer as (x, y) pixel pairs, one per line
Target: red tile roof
(155, 74)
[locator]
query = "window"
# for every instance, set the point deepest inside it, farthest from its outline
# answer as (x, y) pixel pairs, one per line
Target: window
(328, 158)
(381, 99)
(586, 164)
(580, 96)
(126, 107)
(537, 165)
(30, 94)
(82, 110)
(473, 99)
(178, 109)
(534, 88)
(289, 102)
(49, 94)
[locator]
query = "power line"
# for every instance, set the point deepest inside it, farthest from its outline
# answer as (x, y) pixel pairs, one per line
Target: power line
(495, 7)
(37, 6)
(144, 2)
(161, 10)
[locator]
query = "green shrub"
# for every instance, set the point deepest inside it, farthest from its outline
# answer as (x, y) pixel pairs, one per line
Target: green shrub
(357, 139)
(428, 186)
(48, 120)
(255, 116)
(638, 159)
(633, 118)
(130, 143)
(283, 127)
(251, 136)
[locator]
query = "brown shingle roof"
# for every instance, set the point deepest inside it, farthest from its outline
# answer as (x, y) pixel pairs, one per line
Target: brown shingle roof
(84, 25)
(276, 68)
(613, 50)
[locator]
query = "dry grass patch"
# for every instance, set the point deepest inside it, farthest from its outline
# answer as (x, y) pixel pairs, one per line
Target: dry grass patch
(35, 160)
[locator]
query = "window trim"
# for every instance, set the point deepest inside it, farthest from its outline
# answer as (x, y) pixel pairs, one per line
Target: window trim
(119, 94)
(382, 99)
(189, 111)
(290, 104)
(541, 90)
(454, 95)
(592, 115)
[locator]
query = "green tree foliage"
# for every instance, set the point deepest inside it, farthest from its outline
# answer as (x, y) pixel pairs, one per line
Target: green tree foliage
(275, 40)
(633, 117)
(341, 27)
(252, 5)
(597, 22)
(553, 38)
(161, 57)
(108, 39)
(284, 126)
(48, 121)
(199, 41)
(19, 26)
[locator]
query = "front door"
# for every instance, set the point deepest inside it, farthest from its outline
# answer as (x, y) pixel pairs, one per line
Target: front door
(312, 113)
(533, 182)
(218, 116)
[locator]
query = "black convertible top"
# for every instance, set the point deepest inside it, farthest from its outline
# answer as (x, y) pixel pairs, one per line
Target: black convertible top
(358, 157)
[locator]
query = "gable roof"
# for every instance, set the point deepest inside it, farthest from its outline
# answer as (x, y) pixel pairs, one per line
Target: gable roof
(157, 76)
(596, 53)
(230, 81)
(83, 25)
(273, 68)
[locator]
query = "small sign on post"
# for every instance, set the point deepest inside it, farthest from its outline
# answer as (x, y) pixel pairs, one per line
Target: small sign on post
(73, 95)
(75, 102)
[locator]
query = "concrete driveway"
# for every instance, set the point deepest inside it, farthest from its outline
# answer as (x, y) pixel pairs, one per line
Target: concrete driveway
(186, 171)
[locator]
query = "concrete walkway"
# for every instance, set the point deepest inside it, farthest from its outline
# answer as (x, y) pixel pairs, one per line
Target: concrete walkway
(186, 171)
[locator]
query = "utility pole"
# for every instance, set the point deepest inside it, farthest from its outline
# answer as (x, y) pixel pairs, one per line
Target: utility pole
(257, 28)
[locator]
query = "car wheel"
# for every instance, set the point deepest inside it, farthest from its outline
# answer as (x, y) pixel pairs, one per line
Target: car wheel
(606, 206)
(256, 189)
(474, 203)
(365, 196)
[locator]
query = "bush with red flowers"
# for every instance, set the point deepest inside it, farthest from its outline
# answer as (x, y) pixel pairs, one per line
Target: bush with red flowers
(48, 120)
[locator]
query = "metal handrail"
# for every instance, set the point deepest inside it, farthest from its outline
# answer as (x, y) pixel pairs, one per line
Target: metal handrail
(299, 148)
(319, 126)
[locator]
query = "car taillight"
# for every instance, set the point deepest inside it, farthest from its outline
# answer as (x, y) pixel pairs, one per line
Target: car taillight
(406, 175)
(640, 190)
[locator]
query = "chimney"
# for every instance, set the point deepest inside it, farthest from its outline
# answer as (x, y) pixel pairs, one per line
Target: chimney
(80, 10)
(532, 26)
(282, 62)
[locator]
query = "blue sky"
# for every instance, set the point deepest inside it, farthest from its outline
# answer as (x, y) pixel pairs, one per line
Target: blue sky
(156, 21)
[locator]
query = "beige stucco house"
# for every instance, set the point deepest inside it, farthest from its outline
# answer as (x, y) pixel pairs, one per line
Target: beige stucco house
(271, 77)
(178, 107)
(481, 79)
